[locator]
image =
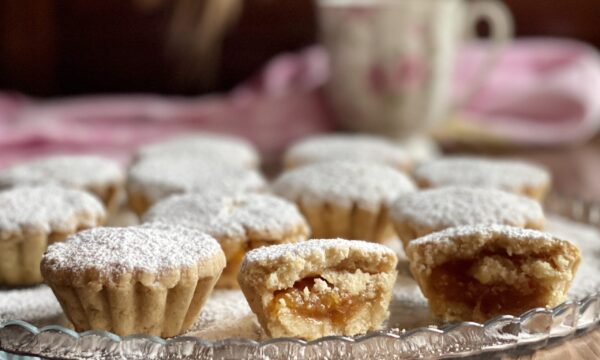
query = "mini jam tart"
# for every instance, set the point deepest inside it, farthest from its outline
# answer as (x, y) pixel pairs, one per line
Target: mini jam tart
(347, 147)
(345, 199)
(33, 217)
(475, 273)
(101, 176)
(510, 175)
(134, 280)
(219, 148)
(239, 223)
(418, 214)
(319, 288)
(153, 179)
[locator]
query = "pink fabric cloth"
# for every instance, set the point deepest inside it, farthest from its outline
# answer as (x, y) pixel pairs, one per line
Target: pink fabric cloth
(542, 92)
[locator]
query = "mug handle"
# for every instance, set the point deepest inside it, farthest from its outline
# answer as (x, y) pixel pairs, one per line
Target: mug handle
(500, 22)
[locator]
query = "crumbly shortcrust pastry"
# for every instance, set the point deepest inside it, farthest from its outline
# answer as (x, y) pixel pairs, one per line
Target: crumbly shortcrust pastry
(155, 178)
(345, 199)
(421, 213)
(318, 288)
(474, 273)
(509, 175)
(338, 147)
(150, 279)
(239, 222)
(99, 175)
(31, 217)
(220, 148)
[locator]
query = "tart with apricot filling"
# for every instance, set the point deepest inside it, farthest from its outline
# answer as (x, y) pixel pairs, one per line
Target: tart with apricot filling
(98, 175)
(150, 279)
(232, 151)
(474, 273)
(319, 287)
(33, 217)
(347, 147)
(421, 213)
(345, 199)
(239, 222)
(514, 176)
(155, 178)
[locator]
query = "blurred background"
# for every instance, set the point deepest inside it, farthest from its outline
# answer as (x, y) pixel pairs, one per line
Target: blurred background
(108, 75)
(59, 47)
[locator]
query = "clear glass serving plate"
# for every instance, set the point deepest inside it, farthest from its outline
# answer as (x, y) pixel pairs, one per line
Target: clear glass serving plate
(534, 329)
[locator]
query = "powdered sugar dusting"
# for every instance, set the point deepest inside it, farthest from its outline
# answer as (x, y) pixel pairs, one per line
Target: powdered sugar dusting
(514, 233)
(227, 314)
(205, 146)
(159, 177)
(347, 147)
(47, 208)
(305, 248)
(78, 171)
(344, 183)
(482, 172)
(229, 216)
(455, 206)
(119, 250)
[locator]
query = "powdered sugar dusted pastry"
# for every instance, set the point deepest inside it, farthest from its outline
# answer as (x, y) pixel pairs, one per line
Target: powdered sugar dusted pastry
(349, 148)
(142, 279)
(481, 271)
(219, 148)
(319, 288)
(98, 175)
(509, 175)
(33, 217)
(153, 179)
(421, 213)
(239, 222)
(345, 199)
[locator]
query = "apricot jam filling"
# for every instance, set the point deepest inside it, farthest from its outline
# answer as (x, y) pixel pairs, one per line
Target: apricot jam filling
(304, 300)
(454, 282)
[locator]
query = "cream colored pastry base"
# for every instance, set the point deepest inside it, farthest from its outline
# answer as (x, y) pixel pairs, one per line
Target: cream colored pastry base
(138, 202)
(329, 221)
(109, 195)
(20, 257)
(163, 308)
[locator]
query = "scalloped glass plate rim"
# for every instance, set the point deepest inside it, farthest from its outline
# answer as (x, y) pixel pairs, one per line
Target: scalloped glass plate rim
(389, 333)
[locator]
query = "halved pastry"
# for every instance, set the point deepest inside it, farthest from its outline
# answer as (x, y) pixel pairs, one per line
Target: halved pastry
(477, 272)
(319, 287)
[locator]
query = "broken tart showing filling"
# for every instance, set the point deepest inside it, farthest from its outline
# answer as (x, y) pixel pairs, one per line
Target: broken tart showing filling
(475, 273)
(319, 287)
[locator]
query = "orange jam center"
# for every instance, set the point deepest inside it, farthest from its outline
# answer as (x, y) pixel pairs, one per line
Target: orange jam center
(333, 305)
(453, 282)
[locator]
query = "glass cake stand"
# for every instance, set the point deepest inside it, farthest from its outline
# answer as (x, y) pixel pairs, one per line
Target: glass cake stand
(534, 329)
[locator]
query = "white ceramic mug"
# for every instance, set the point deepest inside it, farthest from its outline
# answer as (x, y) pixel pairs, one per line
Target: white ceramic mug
(392, 61)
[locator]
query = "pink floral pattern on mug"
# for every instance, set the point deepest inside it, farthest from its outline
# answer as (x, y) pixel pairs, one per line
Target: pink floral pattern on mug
(409, 73)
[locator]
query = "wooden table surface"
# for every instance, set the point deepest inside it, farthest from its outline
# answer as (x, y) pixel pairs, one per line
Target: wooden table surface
(586, 346)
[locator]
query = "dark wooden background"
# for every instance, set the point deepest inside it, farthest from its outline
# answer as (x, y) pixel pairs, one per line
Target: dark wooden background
(57, 47)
